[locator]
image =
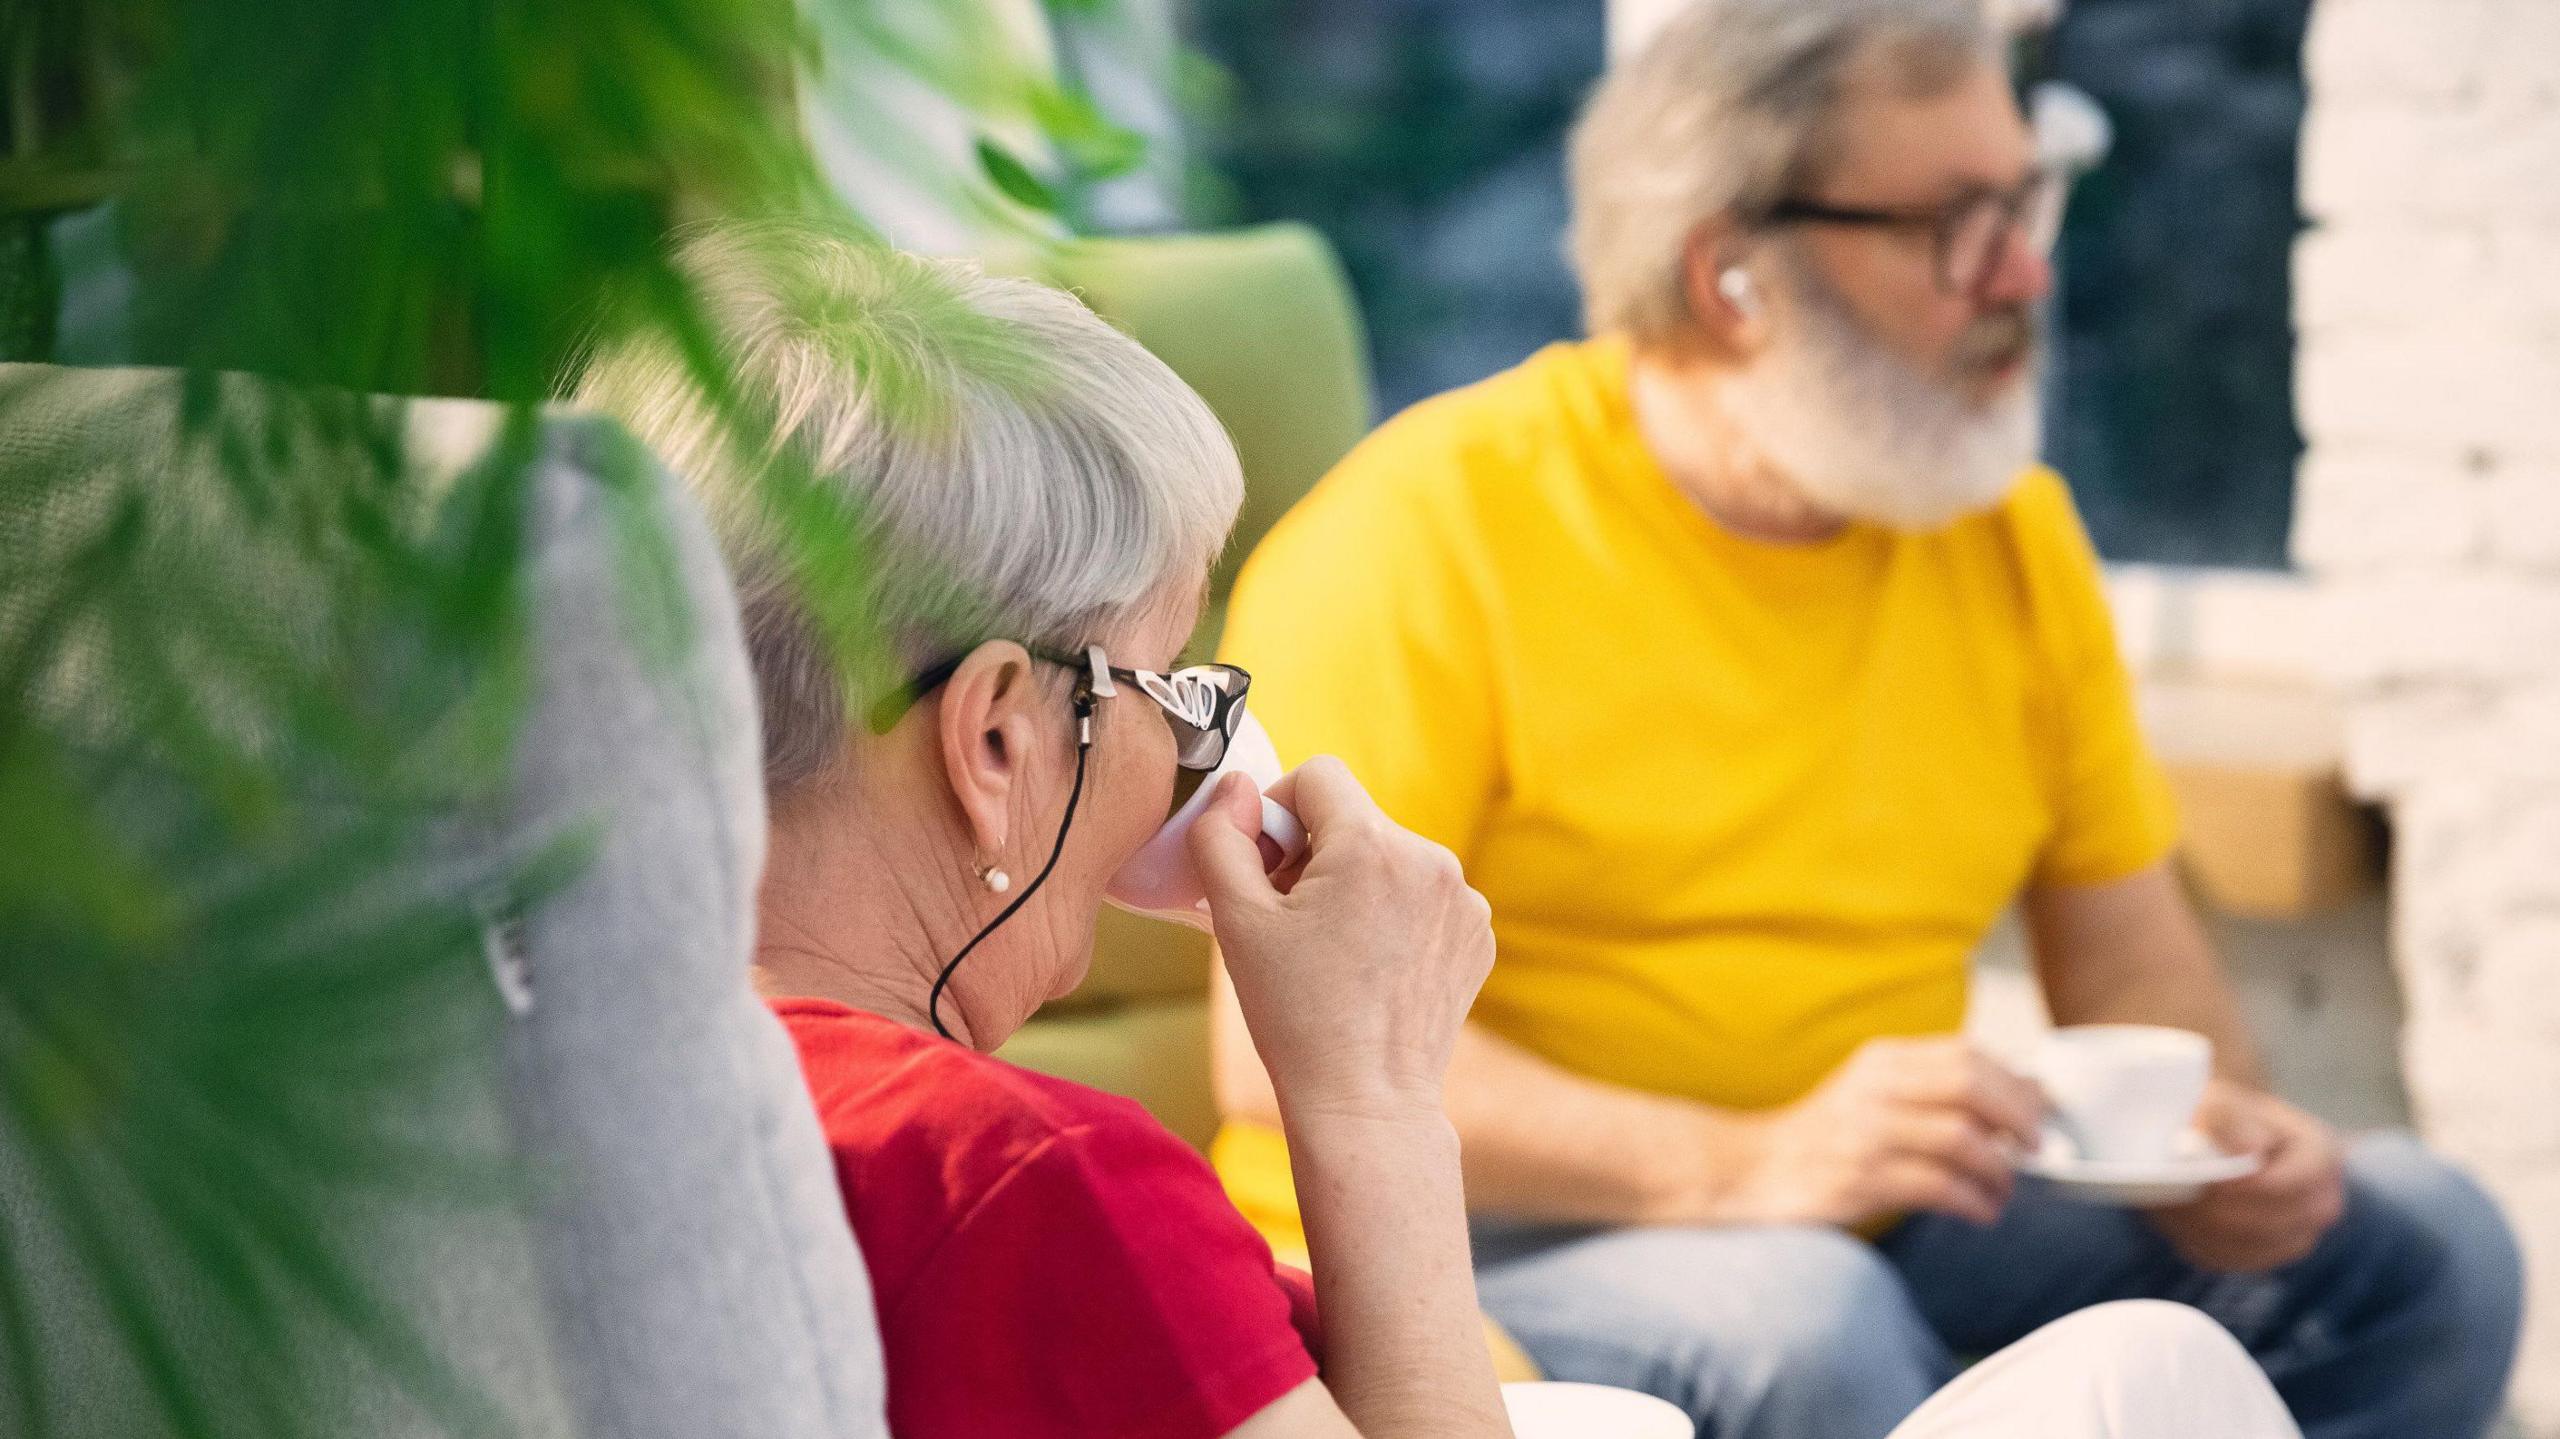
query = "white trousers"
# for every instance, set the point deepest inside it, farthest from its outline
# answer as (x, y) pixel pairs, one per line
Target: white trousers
(2135, 1370)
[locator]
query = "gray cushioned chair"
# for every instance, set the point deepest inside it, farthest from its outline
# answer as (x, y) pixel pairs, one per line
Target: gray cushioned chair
(683, 1268)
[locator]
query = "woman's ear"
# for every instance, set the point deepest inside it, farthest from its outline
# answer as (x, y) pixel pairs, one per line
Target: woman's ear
(987, 726)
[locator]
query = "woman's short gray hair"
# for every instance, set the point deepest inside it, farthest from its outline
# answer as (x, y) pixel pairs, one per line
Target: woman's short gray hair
(1018, 468)
(1723, 114)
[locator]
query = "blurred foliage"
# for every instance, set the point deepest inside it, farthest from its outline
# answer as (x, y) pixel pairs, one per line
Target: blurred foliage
(1425, 139)
(255, 656)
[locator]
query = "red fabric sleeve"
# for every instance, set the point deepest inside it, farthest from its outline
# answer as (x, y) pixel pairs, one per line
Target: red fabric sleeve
(1301, 1288)
(1102, 1286)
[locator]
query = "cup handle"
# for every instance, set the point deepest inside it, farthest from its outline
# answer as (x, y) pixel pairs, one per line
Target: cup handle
(1283, 829)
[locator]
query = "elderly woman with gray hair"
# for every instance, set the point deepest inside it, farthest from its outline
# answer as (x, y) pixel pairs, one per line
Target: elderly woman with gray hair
(1040, 502)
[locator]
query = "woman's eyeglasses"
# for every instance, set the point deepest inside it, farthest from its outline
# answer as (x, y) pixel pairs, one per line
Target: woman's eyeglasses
(1203, 703)
(1968, 235)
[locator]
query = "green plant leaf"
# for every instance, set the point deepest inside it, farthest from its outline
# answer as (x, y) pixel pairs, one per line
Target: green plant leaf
(1013, 179)
(214, 1025)
(1094, 145)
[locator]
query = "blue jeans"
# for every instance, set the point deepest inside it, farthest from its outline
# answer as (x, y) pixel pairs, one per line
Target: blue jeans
(2401, 1324)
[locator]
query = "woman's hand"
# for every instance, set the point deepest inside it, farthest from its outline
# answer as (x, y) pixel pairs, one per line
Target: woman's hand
(1354, 980)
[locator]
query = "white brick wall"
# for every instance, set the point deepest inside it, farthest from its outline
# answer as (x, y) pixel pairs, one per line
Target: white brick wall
(2407, 740)
(2483, 277)
(2428, 294)
(2493, 51)
(2469, 623)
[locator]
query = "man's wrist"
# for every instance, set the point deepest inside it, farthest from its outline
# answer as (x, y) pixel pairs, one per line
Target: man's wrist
(1705, 1156)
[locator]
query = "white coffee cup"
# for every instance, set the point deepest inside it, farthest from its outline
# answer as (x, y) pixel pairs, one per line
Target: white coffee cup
(2124, 1093)
(1554, 1409)
(1160, 881)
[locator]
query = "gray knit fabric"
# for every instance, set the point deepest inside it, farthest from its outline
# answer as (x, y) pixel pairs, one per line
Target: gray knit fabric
(668, 1257)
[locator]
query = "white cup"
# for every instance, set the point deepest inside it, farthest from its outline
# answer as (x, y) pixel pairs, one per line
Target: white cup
(2124, 1093)
(1160, 881)
(1552, 1409)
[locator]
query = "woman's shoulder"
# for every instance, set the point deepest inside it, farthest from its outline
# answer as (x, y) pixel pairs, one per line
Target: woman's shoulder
(984, 1175)
(884, 1090)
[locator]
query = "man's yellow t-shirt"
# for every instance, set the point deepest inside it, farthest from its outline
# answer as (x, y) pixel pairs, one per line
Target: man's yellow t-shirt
(1739, 807)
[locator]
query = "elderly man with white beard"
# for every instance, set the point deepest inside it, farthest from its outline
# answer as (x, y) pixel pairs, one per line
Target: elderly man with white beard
(1754, 668)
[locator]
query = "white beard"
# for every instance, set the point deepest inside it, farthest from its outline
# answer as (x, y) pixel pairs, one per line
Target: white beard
(1860, 432)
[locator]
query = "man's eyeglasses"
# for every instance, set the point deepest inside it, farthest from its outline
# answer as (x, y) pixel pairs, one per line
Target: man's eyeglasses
(1967, 235)
(1203, 703)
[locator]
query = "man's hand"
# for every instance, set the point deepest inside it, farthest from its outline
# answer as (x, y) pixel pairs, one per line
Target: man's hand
(2275, 1216)
(1904, 1125)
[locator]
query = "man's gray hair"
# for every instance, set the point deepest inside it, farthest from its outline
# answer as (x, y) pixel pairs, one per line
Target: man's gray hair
(1017, 468)
(1724, 113)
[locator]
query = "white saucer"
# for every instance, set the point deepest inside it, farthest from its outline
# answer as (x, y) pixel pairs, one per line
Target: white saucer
(2137, 1184)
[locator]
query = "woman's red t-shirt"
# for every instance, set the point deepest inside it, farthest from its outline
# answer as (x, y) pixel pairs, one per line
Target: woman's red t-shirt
(1047, 1259)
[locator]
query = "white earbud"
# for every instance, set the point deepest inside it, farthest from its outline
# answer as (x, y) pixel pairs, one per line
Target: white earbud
(1735, 285)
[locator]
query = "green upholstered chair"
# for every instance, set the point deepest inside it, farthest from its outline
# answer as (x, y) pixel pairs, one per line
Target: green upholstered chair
(1262, 323)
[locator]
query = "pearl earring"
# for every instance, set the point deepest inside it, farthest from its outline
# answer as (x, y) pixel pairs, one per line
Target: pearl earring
(994, 878)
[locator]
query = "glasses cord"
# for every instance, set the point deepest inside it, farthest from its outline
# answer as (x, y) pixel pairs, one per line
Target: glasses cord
(1084, 747)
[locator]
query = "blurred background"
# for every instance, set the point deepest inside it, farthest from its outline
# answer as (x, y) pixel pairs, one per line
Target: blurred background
(2304, 370)
(2304, 375)
(1425, 139)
